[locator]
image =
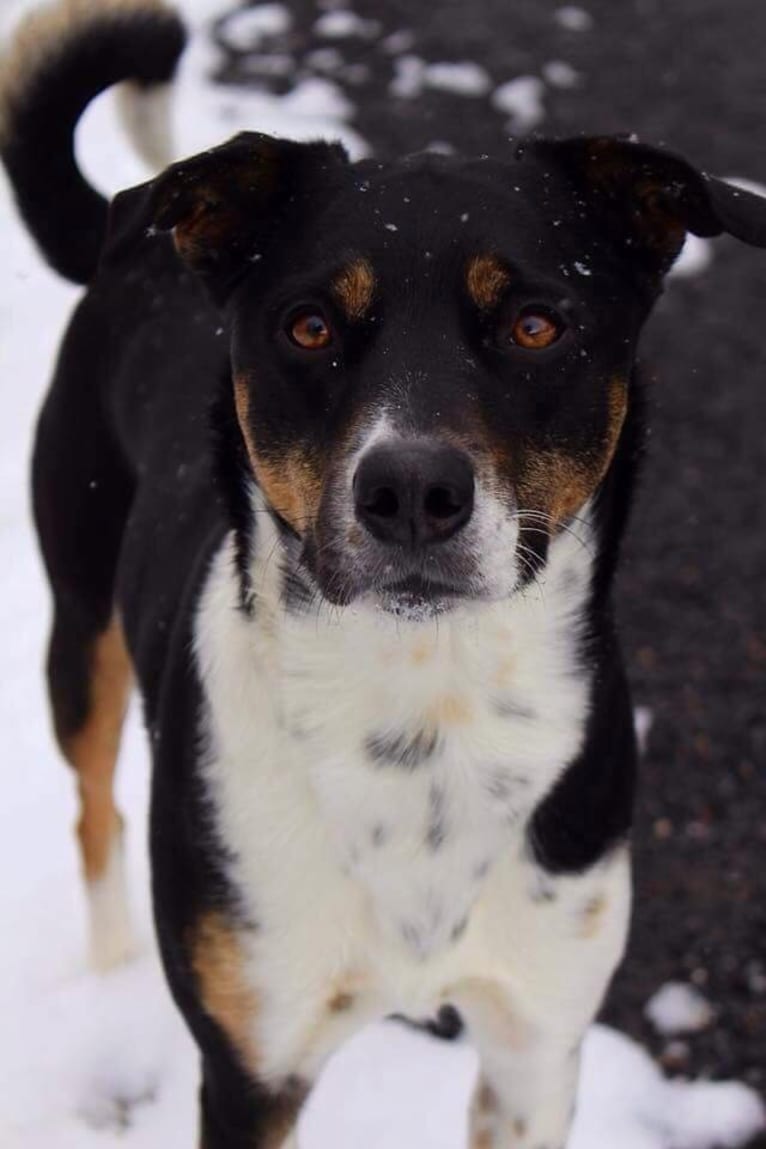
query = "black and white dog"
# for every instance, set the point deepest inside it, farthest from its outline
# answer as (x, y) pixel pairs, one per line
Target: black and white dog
(359, 550)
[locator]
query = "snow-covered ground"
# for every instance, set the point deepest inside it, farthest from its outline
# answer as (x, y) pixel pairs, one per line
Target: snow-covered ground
(92, 1062)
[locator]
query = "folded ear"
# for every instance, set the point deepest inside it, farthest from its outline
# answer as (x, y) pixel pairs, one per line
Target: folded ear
(651, 198)
(224, 205)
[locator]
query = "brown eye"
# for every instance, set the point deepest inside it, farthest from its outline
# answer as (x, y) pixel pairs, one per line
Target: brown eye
(310, 331)
(535, 330)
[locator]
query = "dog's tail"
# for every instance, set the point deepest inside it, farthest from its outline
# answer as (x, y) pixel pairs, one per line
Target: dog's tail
(60, 59)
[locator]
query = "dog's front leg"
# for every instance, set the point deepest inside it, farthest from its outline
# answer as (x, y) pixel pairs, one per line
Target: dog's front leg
(525, 1103)
(528, 1072)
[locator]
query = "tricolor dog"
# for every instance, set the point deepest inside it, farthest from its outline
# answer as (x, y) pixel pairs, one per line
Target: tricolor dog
(336, 461)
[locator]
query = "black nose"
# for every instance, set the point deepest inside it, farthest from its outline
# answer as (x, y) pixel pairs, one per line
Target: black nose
(413, 493)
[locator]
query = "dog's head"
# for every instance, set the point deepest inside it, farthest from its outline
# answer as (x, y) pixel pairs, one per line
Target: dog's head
(431, 358)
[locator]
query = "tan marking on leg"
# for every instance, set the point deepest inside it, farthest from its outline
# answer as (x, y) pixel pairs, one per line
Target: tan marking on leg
(92, 751)
(341, 1002)
(592, 916)
(354, 288)
(486, 1099)
(282, 1133)
(282, 1121)
(504, 675)
(486, 279)
(290, 483)
(484, 1108)
(218, 962)
(451, 710)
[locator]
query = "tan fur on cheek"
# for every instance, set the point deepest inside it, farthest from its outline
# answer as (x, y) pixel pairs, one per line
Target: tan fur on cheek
(486, 280)
(354, 288)
(291, 482)
(218, 962)
(559, 483)
(618, 409)
(556, 483)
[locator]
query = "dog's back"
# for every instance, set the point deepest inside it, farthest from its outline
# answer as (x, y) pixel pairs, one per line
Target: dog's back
(116, 408)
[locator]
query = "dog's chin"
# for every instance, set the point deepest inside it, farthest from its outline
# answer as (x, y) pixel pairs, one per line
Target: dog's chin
(409, 597)
(416, 598)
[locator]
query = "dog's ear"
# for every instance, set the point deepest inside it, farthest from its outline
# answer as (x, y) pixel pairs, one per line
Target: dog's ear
(651, 198)
(223, 206)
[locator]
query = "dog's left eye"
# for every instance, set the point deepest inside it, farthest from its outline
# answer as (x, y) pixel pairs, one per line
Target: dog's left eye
(534, 328)
(309, 330)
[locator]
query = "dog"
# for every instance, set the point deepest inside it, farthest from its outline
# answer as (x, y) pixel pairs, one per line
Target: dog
(336, 460)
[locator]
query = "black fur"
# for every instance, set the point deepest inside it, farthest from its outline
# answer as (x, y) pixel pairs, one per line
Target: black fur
(589, 811)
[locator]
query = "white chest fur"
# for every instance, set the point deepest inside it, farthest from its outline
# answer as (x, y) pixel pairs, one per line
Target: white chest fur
(372, 777)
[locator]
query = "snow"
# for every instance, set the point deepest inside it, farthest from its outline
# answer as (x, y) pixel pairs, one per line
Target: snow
(522, 99)
(246, 29)
(268, 64)
(104, 1062)
(572, 18)
(639, 1109)
(560, 74)
(643, 720)
(344, 24)
(747, 185)
(464, 78)
(325, 60)
(397, 42)
(207, 114)
(696, 256)
(408, 77)
(678, 1008)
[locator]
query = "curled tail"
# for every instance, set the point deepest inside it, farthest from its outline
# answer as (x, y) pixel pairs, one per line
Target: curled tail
(60, 59)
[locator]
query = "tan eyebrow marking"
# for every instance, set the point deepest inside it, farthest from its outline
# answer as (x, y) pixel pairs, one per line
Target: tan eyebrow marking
(354, 288)
(486, 279)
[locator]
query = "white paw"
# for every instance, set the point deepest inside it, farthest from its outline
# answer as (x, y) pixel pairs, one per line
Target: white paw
(112, 940)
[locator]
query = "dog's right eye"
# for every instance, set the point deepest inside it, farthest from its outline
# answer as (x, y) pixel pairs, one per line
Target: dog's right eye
(309, 330)
(535, 328)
